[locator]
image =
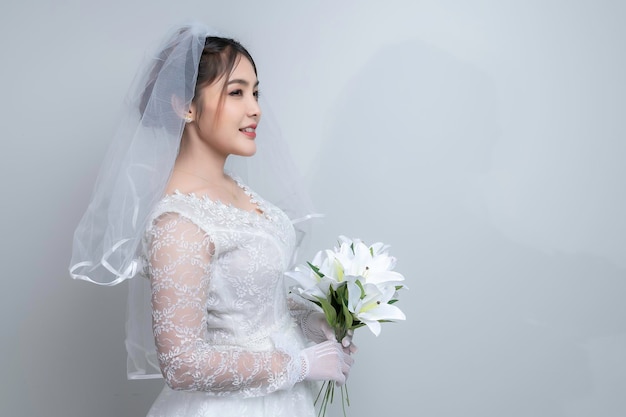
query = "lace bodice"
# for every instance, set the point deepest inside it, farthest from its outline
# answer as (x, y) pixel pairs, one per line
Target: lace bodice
(220, 314)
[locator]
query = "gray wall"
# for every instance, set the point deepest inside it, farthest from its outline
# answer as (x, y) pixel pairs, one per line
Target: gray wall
(484, 140)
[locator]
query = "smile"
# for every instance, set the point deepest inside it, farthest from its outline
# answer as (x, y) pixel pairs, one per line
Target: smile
(249, 131)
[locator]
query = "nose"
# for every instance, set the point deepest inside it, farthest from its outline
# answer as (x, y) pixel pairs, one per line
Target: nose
(254, 110)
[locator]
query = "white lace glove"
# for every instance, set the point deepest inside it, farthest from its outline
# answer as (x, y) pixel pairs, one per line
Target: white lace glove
(317, 329)
(325, 361)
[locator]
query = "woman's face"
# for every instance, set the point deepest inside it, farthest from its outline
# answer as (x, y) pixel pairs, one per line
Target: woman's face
(232, 129)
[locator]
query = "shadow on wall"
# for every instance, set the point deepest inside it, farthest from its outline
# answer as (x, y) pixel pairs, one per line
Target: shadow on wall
(494, 328)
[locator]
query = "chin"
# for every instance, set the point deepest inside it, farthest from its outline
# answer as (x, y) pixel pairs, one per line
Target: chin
(250, 151)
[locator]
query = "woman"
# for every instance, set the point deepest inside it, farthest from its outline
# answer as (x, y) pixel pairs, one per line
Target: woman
(228, 340)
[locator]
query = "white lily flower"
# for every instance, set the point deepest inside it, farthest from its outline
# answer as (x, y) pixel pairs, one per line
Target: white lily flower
(379, 248)
(374, 306)
(329, 266)
(355, 274)
(372, 263)
(311, 285)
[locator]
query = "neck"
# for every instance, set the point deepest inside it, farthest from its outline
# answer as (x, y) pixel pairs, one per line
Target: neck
(197, 158)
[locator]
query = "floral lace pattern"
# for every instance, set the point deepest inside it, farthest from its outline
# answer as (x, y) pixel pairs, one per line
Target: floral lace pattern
(221, 319)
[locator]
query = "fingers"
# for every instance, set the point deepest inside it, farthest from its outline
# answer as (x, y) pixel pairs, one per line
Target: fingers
(346, 341)
(346, 365)
(352, 348)
(341, 381)
(326, 348)
(347, 359)
(329, 360)
(318, 328)
(347, 344)
(329, 333)
(319, 331)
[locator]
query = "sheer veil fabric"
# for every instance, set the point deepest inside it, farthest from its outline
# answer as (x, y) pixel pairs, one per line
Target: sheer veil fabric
(133, 176)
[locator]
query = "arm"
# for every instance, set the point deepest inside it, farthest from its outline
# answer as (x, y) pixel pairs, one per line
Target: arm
(179, 266)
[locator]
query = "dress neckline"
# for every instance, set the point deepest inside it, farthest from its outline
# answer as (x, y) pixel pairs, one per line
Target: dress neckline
(260, 210)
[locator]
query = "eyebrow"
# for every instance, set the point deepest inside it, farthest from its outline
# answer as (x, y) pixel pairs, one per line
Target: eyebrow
(242, 82)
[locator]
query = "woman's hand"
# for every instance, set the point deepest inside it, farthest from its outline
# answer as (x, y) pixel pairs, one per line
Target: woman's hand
(326, 361)
(317, 329)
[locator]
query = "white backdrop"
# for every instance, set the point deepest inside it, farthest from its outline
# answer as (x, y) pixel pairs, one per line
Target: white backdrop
(483, 140)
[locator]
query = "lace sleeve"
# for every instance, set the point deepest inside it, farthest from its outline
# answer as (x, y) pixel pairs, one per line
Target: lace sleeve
(179, 265)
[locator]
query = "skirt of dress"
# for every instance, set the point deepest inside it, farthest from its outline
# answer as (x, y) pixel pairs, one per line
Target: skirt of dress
(296, 402)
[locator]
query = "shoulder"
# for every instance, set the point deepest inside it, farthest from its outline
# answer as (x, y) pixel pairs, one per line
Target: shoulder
(175, 202)
(176, 223)
(176, 208)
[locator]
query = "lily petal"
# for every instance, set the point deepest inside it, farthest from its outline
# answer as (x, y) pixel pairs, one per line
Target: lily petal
(380, 277)
(354, 296)
(383, 312)
(373, 325)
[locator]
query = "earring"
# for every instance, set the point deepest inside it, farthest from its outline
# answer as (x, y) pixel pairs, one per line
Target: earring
(188, 118)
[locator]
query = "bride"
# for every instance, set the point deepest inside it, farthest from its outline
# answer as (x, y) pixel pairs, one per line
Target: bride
(205, 252)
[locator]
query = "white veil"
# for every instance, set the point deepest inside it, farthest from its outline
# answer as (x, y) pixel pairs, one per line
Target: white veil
(135, 171)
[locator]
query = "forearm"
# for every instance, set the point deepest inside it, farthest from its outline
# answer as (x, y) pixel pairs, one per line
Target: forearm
(228, 371)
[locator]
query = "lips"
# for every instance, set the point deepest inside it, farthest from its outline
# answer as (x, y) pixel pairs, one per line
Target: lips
(249, 131)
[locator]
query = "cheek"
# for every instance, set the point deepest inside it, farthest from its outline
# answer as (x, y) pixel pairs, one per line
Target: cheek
(208, 121)
(209, 112)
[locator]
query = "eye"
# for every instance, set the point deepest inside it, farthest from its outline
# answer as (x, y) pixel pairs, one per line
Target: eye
(257, 94)
(235, 93)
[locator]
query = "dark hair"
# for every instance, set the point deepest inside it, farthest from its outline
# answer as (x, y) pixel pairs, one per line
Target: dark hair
(219, 58)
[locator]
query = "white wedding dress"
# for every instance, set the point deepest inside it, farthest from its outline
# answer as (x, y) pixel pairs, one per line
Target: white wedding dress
(227, 336)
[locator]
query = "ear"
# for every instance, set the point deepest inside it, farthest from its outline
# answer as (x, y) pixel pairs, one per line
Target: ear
(181, 110)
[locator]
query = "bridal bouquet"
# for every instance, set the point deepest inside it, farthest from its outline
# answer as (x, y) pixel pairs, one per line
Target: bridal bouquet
(354, 285)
